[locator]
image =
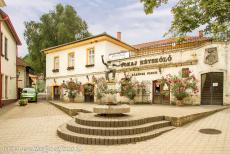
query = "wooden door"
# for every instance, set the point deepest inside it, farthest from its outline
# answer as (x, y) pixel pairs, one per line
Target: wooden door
(89, 92)
(158, 96)
(212, 88)
(56, 92)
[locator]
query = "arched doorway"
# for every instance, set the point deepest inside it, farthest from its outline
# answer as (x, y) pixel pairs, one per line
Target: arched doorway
(89, 92)
(212, 88)
(158, 94)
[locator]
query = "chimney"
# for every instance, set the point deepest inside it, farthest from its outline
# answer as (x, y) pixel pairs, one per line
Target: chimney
(119, 36)
(201, 34)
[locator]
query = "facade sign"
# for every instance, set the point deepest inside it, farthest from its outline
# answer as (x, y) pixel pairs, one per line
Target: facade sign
(120, 55)
(211, 56)
(144, 73)
(161, 59)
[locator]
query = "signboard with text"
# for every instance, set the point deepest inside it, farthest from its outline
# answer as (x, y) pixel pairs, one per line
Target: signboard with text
(120, 55)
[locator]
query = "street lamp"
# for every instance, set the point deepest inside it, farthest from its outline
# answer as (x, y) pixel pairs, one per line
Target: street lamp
(17, 76)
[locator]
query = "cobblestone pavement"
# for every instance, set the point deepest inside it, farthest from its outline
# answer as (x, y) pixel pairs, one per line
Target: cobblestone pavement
(32, 130)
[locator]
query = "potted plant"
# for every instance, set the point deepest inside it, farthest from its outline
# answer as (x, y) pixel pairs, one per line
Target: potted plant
(128, 88)
(71, 95)
(23, 102)
(71, 87)
(180, 86)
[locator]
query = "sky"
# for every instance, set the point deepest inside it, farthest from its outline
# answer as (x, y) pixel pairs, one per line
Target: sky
(110, 16)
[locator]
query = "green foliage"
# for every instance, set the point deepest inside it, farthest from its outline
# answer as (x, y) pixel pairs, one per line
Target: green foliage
(40, 85)
(180, 87)
(99, 95)
(74, 88)
(212, 15)
(59, 26)
(149, 5)
(128, 87)
(102, 88)
(23, 102)
(72, 94)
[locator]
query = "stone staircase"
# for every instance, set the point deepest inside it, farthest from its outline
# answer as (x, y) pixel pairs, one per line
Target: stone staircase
(113, 131)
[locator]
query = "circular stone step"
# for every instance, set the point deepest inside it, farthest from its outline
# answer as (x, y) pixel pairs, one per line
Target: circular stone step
(114, 131)
(68, 135)
(91, 119)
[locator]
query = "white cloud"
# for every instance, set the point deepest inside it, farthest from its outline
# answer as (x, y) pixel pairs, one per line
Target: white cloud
(135, 25)
(102, 16)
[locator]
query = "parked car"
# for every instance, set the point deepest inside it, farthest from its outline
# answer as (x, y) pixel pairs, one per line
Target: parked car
(30, 94)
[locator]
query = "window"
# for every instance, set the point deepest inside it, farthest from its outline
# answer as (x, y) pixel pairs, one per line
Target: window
(6, 86)
(90, 56)
(185, 72)
(56, 64)
(6, 48)
(71, 60)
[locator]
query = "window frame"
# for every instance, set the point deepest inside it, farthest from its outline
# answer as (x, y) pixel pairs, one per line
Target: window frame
(6, 48)
(184, 72)
(89, 56)
(1, 44)
(55, 69)
(71, 59)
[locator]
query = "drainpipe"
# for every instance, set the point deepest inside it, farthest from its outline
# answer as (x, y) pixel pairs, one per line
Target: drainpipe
(1, 21)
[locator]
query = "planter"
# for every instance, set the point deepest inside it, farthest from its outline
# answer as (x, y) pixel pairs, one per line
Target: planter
(109, 99)
(23, 102)
(79, 98)
(179, 102)
(71, 100)
(131, 102)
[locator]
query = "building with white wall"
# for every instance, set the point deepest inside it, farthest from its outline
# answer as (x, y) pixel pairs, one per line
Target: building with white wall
(147, 63)
(79, 60)
(9, 41)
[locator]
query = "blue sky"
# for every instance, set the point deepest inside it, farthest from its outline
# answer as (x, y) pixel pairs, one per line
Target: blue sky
(126, 16)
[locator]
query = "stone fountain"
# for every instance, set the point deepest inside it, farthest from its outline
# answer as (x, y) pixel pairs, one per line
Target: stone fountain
(109, 105)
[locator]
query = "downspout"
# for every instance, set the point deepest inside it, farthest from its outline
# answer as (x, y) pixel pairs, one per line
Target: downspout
(1, 66)
(16, 72)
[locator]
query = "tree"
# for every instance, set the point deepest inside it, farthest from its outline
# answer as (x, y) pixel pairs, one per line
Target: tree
(211, 15)
(59, 26)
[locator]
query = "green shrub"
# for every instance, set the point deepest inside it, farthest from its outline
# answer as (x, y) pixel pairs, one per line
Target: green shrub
(23, 102)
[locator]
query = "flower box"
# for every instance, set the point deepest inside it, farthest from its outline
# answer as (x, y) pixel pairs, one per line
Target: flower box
(55, 70)
(70, 68)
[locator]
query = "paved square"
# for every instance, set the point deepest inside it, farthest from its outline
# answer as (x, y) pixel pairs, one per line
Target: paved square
(33, 130)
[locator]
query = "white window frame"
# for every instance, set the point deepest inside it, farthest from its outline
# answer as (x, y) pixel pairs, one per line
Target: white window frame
(71, 59)
(91, 56)
(56, 62)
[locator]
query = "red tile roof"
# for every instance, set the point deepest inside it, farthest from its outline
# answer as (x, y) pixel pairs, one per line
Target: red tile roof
(21, 62)
(168, 41)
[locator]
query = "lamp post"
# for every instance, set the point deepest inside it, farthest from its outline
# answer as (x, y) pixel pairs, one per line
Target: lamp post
(17, 76)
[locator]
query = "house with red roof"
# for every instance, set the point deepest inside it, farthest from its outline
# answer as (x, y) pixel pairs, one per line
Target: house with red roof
(9, 42)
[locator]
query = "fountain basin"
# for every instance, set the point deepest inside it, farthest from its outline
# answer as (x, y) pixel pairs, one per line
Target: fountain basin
(111, 109)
